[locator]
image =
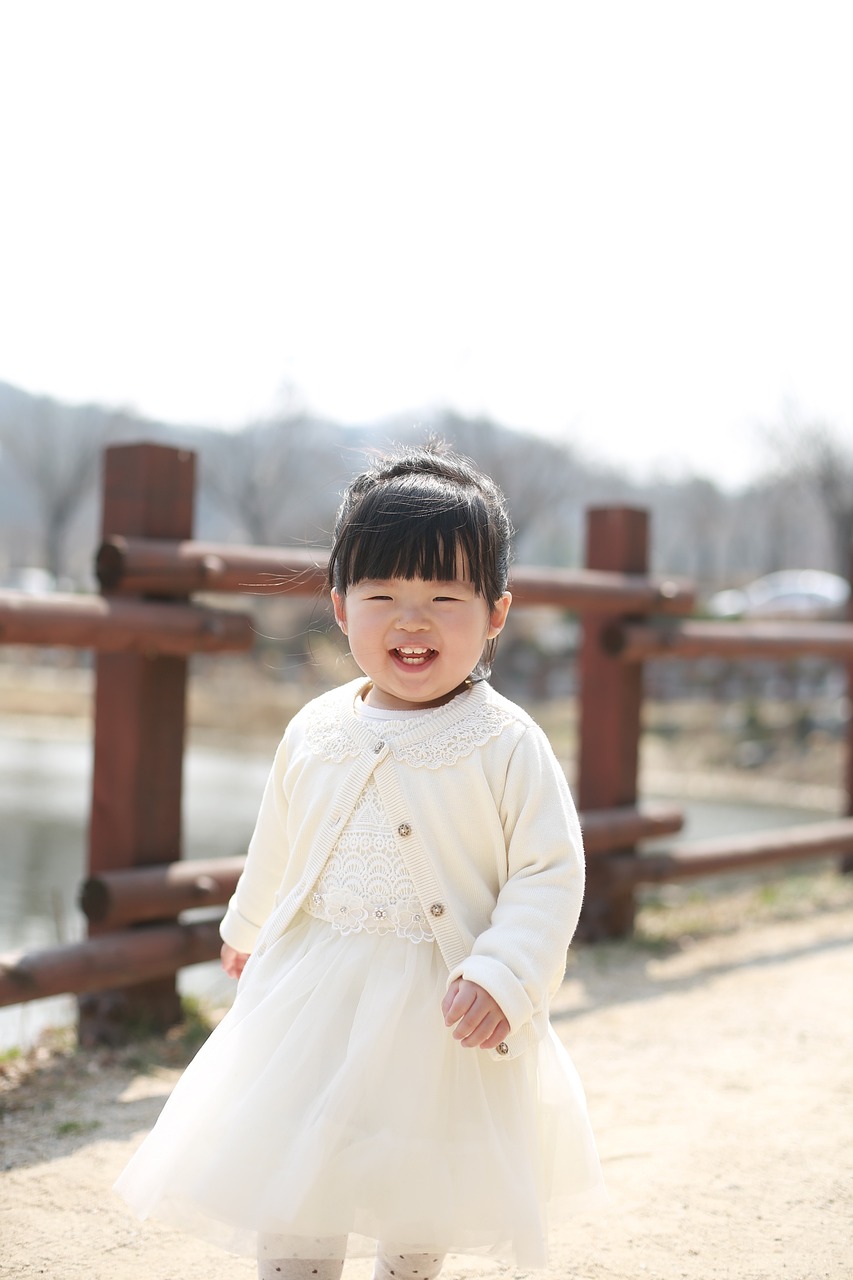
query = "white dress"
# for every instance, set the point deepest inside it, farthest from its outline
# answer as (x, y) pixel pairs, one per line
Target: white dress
(333, 1101)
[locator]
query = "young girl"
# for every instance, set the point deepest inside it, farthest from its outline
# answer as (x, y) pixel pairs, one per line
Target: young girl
(387, 1079)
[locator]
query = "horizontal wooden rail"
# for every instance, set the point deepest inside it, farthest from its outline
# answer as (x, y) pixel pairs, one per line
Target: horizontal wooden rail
(150, 566)
(121, 626)
(113, 960)
(138, 566)
(736, 853)
(152, 893)
(605, 829)
(136, 955)
(155, 893)
(638, 642)
(158, 892)
(597, 590)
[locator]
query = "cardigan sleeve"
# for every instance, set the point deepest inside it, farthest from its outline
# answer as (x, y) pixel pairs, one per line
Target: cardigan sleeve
(255, 894)
(521, 956)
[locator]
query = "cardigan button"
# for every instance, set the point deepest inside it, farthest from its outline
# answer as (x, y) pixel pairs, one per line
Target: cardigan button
(502, 1048)
(377, 747)
(404, 829)
(437, 909)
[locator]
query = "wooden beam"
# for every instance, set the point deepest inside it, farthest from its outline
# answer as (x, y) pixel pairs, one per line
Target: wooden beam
(154, 566)
(148, 491)
(129, 565)
(605, 829)
(120, 959)
(641, 641)
(151, 893)
(735, 853)
(121, 626)
(847, 863)
(598, 591)
(610, 703)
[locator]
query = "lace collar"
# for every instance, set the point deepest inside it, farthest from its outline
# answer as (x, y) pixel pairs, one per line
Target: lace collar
(437, 737)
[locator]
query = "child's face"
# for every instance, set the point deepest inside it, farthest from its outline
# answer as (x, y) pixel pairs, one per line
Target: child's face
(416, 640)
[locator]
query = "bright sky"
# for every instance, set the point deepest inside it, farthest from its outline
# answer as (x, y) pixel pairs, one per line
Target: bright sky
(628, 224)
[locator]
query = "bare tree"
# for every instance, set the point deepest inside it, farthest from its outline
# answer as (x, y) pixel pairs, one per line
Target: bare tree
(689, 527)
(55, 449)
(813, 454)
(270, 477)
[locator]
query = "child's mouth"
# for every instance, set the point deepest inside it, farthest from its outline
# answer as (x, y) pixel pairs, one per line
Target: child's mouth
(414, 655)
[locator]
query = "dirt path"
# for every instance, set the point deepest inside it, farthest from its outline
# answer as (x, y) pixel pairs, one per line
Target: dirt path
(720, 1081)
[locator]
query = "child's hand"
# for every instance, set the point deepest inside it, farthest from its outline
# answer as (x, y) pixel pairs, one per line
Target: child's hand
(233, 962)
(479, 1019)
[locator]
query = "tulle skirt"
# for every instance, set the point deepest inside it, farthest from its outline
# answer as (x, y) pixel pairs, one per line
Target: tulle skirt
(332, 1100)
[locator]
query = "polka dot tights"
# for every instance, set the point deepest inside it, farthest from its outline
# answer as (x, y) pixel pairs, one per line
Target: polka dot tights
(389, 1265)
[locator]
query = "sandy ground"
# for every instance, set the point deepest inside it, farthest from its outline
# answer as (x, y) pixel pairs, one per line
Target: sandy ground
(719, 1072)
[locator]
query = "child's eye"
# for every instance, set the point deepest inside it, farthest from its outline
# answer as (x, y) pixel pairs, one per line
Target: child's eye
(446, 599)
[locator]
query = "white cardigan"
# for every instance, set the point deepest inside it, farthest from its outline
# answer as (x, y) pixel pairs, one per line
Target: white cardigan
(483, 820)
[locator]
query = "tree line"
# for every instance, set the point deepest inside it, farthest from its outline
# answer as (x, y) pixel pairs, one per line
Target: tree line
(277, 482)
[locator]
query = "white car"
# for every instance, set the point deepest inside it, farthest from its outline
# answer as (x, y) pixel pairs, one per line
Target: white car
(790, 592)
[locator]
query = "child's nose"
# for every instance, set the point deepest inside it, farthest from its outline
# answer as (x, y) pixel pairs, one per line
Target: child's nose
(412, 618)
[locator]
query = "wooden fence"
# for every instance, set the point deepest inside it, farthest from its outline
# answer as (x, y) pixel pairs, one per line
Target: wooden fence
(144, 626)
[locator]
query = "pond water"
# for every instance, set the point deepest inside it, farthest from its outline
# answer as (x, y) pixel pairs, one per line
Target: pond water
(45, 787)
(44, 799)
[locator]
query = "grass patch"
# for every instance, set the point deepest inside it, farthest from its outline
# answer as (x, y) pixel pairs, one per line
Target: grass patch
(57, 1061)
(198, 1022)
(73, 1128)
(673, 914)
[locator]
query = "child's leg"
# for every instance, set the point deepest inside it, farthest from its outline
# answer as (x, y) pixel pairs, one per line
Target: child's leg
(273, 1264)
(406, 1266)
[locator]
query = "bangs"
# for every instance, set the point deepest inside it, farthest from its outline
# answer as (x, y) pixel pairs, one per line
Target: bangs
(413, 528)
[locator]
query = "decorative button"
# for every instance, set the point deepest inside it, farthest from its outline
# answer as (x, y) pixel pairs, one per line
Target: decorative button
(377, 747)
(437, 909)
(404, 829)
(502, 1048)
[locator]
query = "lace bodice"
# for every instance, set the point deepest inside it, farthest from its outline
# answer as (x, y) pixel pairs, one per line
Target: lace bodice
(432, 739)
(364, 884)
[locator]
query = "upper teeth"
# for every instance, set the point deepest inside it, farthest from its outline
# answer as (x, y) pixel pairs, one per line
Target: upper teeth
(411, 649)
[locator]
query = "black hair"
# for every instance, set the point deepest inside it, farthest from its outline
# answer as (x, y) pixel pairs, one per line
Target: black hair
(412, 515)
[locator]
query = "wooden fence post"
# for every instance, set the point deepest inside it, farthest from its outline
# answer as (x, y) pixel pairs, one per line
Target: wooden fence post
(148, 491)
(610, 707)
(847, 862)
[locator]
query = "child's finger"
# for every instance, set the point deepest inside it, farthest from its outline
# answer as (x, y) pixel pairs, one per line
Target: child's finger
(485, 1034)
(500, 1033)
(449, 996)
(459, 1007)
(233, 962)
(458, 1000)
(478, 1022)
